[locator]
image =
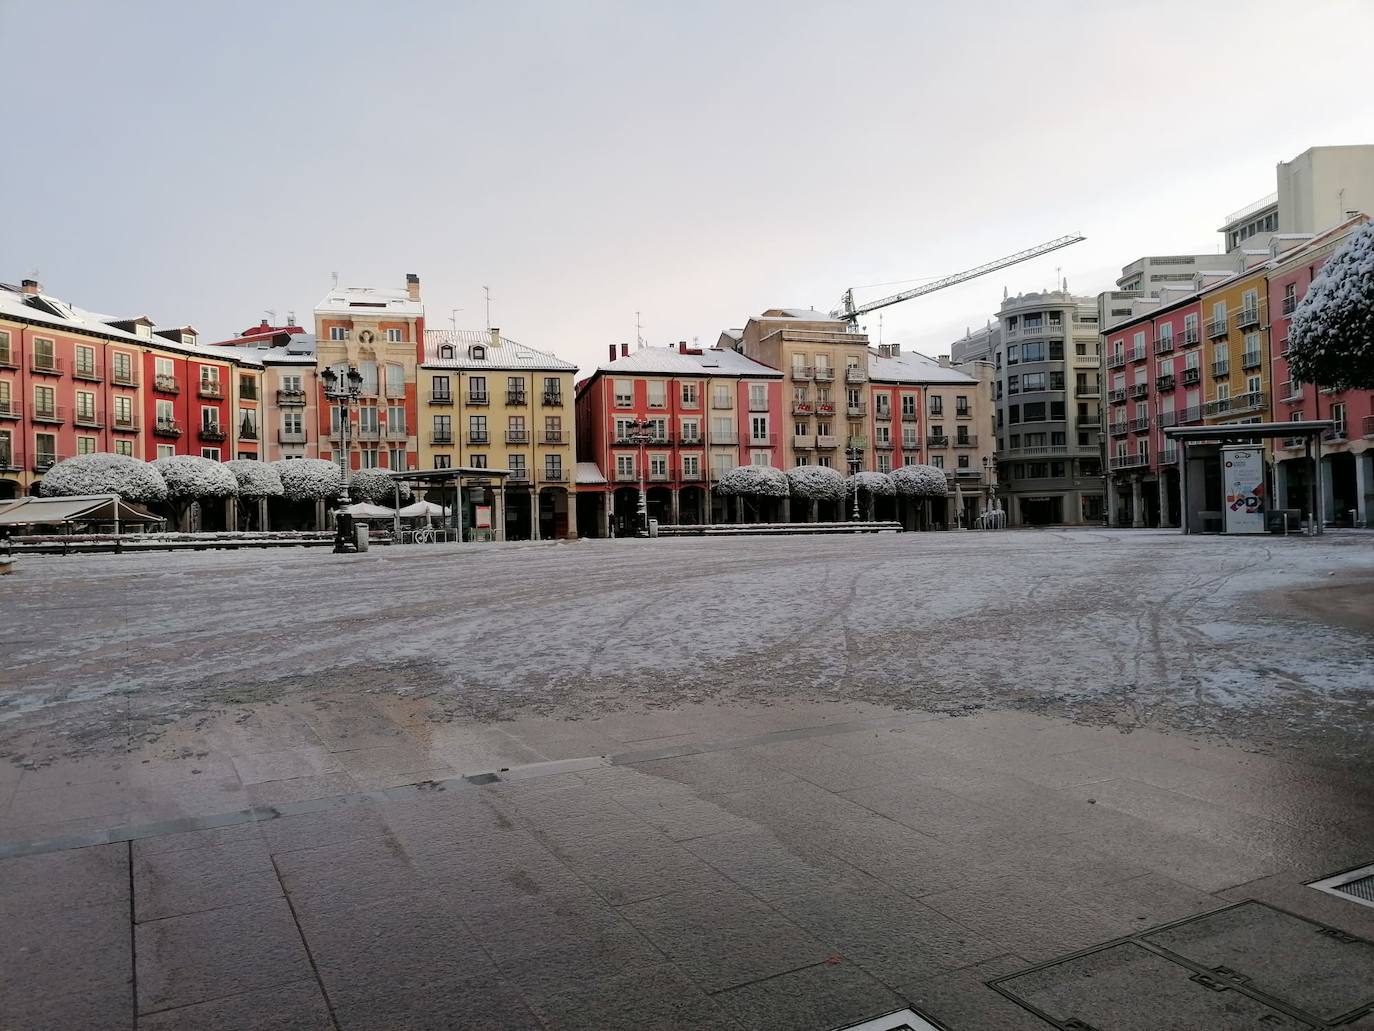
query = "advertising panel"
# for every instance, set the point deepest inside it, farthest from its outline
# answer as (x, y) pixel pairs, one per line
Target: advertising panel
(1242, 482)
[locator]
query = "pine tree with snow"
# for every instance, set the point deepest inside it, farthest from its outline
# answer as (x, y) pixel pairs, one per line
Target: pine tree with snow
(309, 479)
(103, 473)
(1331, 336)
(376, 487)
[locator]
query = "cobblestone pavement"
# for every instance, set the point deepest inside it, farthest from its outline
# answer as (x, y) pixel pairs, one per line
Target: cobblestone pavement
(892, 803)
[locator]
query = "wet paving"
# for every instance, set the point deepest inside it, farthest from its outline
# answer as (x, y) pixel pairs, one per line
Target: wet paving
(348, 850)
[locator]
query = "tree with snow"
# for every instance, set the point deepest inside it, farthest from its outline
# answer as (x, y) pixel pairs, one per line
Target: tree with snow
(919, 486)
(192, 479)
(103, 473)
(309, 479)
(870, 485)
(754, 485)
(258, 481)
(376, 487)
(814, 484)
(1331, 336)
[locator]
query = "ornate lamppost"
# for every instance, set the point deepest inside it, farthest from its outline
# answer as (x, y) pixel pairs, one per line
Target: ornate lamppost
(855, 456)
(345, 390)
(641, 431)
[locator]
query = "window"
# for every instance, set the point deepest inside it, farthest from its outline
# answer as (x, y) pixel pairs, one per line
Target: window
(760, 458)
(553, 429)
(292, 424)
(658, 466)
(691, 466)
(721, 461)
(163, 367)
(442, 462)
(211, 453)
(477, 429)
(478, 461)
(123, 367)
(166, 450)
(1013, 384)
(962, 462)
(1056, 411)
(123, 410)
(937, 405)
(720, 396)
(884, 463)
(334, 420)
(209, 418)
(44, 356)
(446, 352)
(624, 467)
(1033, 411)
(516, 464)
(722, 430)
(658, 393)
(443, 429)
(553, 390)
(439, 388)
(1033, 381)
(477, 352)
(394, 336)
(758, 397)
(624, 393)
(1056, 350)
(248, 387)
(369, 374)
(515, 390)
(689, 395)
(477, 389)
(6, 355)
(908, 405)
(691, 431)
(248, 423)
(1013, 414)
(368, 423)
(395, 380)
(1033, 352)
(85, 405)
(758, 429)
(368, 458)
(1057, 470)
(338, 333)
(553, 467)
(938, 461)
(85, 360)
(124, 447)
(85, 445)
(1013, 354)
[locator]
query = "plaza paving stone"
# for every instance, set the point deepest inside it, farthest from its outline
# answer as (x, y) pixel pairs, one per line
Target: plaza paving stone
(346, 852)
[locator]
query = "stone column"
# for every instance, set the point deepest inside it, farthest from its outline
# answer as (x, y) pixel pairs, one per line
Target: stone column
(534, 512)
(706, 513)
(264, 516)
(570, 500)
(1329, 513)
(1137, 503)
(1164, 519)
(1111, 499)
(1364, 489)
(676, 515)
(498, 512)
(1281, 485)
(608, 509)
(786, 510)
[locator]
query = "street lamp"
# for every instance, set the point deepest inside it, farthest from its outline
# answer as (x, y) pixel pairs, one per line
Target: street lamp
(855, 456)
(345, 390)
(641, 432)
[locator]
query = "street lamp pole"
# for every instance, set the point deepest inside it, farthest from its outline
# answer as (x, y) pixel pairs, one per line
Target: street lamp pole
(854, 455)
(639, 433)
(346, 390)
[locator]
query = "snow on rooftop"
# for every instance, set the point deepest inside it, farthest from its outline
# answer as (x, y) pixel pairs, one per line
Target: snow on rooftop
(507, 354)
(355, 300)
(670, 361)
(911, 367)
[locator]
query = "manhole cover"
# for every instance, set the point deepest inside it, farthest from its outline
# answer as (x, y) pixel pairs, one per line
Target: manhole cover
(1353, 885)
(903, 1020)
(1246, 966)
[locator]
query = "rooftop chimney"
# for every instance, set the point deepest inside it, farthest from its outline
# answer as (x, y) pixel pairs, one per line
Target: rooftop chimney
(495, 336)
(612, 347)
(895, 350)
(624, 350)
(682, 347)
(291, 318)
(31, 287)
(412, 286)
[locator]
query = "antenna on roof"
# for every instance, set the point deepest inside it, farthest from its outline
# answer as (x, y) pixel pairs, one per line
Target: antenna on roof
(336, 279)
(880, 329)
(271, 314)
(453, 317)
(487, 291)
(639, 335)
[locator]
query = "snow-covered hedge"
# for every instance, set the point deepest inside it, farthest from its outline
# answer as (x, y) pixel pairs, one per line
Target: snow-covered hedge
(1331, 337)
(871, 483)
(309, 479)
(193, 477)
(102, 473)
(919, 481)
(816, 483)
(375, 487)
(753, 481)
(256, 479)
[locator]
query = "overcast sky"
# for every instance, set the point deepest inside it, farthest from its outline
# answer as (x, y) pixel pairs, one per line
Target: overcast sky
(696, 162)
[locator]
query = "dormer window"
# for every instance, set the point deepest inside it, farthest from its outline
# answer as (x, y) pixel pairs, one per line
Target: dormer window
(445, 350)
(477, 353)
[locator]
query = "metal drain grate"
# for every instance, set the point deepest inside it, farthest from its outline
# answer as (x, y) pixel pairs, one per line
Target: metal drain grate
(1354, 886)
(902, 1020)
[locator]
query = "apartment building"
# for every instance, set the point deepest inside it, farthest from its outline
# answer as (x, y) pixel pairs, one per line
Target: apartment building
(1320, 188)
(290, 389)
(674, 418)
(486, 401)
(380, 332)
(75, 382)
(1048, 395)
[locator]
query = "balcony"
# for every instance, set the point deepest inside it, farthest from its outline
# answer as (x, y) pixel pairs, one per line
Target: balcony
(248, 392)
(210, 388)
(554, 474)
(937, 441)
(88, 371)
(626, 476)
(884, 444)
(396, 432)
(1189, 337)
(1336, 433)
(1139, 354)
(49, 413)
(1216, 328)
(823, 374)
(1089, 422)
(518, 475)
(166, 384)
(212, 432)
(1139, 425)
(937, 411)
(45, 365)
(124, 377)
(1165, 382)
(290, 397)
(553, 399)
(9, 460)
(1237, 405)
(763, 440)
(517, 436)
(1290, 305)
(1119, 428)
(478, 398)
(1221, 369)
(1129, 461)
(802, 408)
(291, 436)
(166, 428)
(854, 374)
(722, 403)
(248, 432)
(910, 443)
(1116, 360)
(1247, 317)
(7, 360)
(856, 410)
(440, 438)
(689, 475)
(1291, 395)
(966, 440)
(758, 404)
(440, 397)
(964, 413)
(857, 444)
(1367, 426)
(1169, 456)
(968, 474)
(801, 373)
(1167, 419)
(367, 433)
(478, 439)
(1116, 396)
(1163, 345)
(1087, 361)
(826, 442)
(551, 437)
(1140, 390)
(658, 475)
(1193, 413)
(825, 407)
(1250, 360)
(516, 397)
(127, 424)
(720, 438)
(1192, 375)
(43, 461)
(88, 420)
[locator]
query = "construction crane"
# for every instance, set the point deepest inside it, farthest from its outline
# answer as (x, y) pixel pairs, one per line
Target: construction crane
(850, 312)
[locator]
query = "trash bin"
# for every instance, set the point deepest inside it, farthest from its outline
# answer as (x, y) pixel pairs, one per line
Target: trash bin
(653, 527)
(360, 532)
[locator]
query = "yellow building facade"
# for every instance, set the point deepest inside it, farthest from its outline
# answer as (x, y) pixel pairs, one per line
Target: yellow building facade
(1235, 329)
(486, 401)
